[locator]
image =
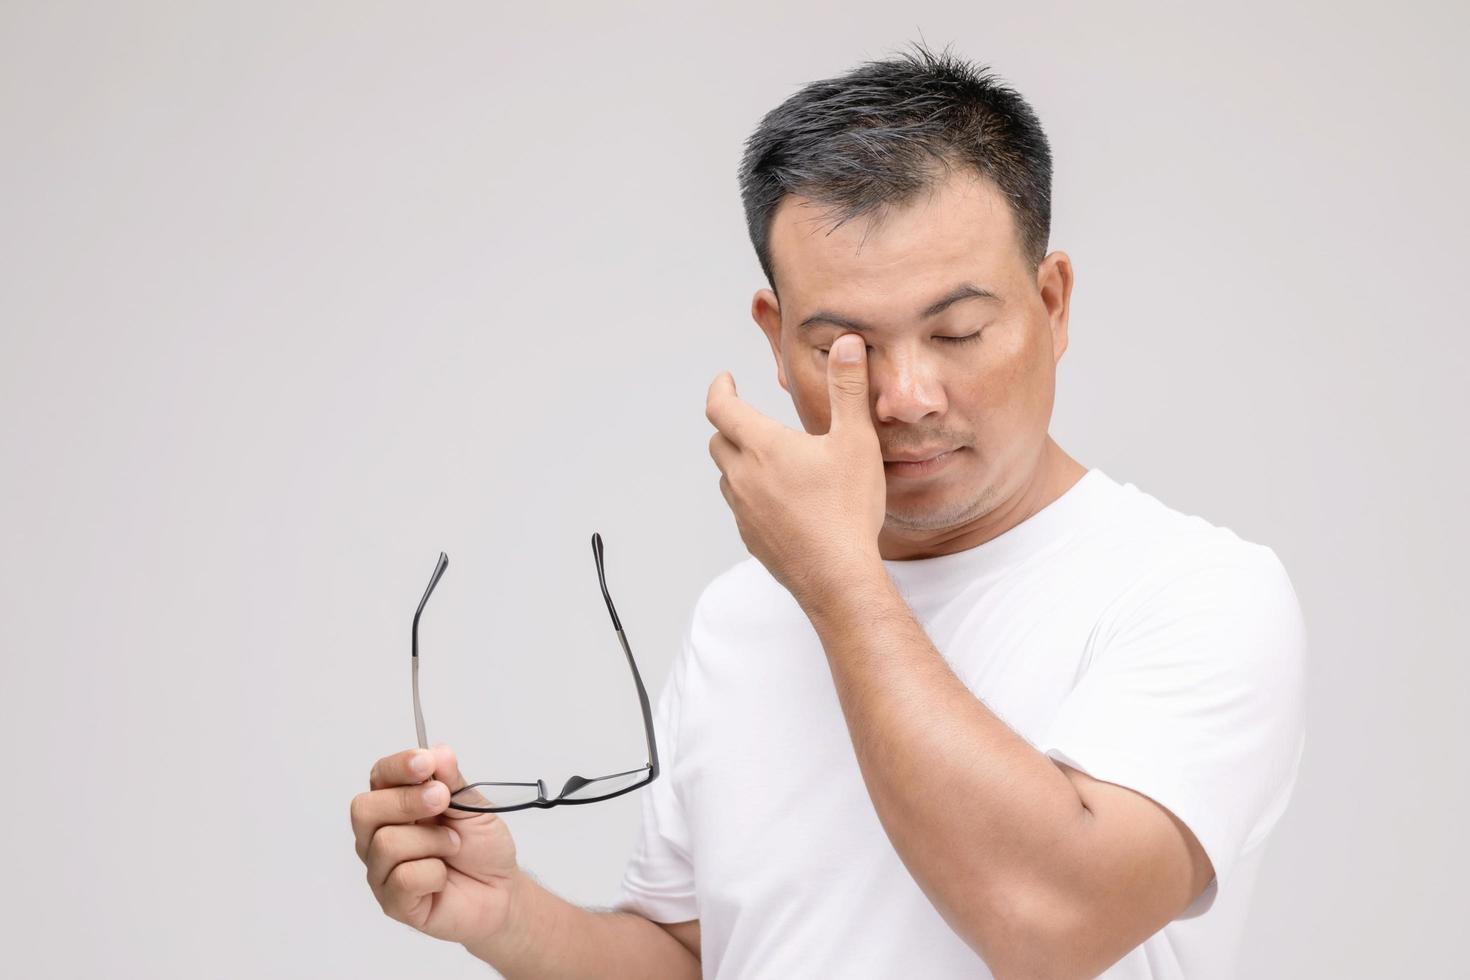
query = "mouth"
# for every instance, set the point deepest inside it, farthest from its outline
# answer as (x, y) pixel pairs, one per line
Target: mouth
(922, 463)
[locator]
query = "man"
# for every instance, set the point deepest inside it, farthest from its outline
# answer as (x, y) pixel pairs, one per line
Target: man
(971, 708)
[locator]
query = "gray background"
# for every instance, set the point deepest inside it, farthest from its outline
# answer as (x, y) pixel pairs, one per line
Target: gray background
(297, 295)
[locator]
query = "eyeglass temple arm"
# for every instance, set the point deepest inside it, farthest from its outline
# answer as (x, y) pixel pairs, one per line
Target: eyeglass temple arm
(632, 664)
(418, 712)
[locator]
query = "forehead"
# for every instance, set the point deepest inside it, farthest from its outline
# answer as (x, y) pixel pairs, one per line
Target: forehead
(958, 229)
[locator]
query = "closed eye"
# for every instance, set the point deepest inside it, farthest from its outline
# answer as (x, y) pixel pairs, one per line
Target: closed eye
(968, 338)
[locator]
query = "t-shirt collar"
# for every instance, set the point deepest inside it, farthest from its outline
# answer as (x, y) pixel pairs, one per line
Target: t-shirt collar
(1053, 523)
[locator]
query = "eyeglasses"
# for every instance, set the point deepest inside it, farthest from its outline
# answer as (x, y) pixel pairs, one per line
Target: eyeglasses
(578, 789)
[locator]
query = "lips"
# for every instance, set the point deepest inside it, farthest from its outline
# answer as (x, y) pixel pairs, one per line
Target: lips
(918, 456)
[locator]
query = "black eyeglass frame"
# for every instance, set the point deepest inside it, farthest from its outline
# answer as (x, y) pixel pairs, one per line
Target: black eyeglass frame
(573, 783)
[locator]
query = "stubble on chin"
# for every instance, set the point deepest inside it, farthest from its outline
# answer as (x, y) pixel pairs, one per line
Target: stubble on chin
(939, 516)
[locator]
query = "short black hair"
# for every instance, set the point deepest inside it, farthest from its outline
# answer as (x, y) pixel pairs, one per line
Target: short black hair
(884, 132)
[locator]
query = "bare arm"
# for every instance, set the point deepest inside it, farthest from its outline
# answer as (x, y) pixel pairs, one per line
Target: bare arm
(551, 938)
(1041, 869)
(686, 932)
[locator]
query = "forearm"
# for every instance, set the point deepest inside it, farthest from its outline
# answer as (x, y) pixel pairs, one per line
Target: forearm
(549, 938)
(981, 819)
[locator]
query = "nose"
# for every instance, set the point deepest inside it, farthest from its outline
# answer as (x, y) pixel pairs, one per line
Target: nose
(907, 386)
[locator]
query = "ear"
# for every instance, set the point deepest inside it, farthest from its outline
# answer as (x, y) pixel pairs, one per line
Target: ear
(1054, 283)
(765, 310)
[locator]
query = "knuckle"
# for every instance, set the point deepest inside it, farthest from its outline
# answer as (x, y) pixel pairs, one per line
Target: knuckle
(397, 888)
(381, 844)
(356, 809)
(379, 888)
(390, 897)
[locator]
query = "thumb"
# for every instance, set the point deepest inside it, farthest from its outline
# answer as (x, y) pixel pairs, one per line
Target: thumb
(847, 383)
(446, 770)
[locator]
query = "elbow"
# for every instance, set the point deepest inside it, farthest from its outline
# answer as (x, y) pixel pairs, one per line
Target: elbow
(1036, 937)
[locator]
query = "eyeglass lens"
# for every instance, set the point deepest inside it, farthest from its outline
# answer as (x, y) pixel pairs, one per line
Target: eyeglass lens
(496, 794)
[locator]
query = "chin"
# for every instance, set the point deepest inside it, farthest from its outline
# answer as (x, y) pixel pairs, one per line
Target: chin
(938, 506)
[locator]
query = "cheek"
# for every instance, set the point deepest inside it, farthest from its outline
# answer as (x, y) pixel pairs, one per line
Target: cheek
(1016, 358)
(1018, 384)
(995, 392)
(809, 394)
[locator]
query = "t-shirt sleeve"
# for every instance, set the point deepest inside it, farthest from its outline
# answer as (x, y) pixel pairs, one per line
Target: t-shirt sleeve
(1195, 698)
(658, 881)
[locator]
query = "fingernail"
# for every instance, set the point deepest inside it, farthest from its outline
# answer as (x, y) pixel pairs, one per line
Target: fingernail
(420, 764)
(453, 838)
(433, 794)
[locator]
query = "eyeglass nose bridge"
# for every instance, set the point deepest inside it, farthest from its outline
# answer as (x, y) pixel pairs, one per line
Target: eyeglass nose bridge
(573, 784)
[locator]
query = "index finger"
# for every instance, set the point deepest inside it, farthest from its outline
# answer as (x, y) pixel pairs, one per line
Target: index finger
(725, 410)
(401, 769)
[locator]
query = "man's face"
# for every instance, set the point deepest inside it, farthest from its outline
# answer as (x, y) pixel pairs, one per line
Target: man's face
(990, 397)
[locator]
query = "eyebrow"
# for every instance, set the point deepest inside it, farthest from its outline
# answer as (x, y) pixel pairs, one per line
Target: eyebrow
(963, 291)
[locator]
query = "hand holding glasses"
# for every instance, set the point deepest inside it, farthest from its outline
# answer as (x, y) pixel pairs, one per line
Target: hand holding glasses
(494, 797)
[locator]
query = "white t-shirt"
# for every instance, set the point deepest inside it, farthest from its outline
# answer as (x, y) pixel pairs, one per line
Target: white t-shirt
(1140, 645)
